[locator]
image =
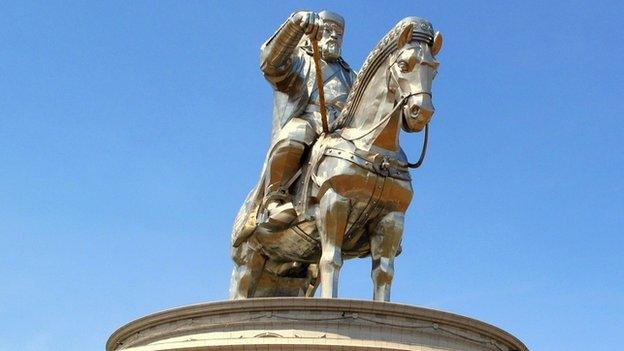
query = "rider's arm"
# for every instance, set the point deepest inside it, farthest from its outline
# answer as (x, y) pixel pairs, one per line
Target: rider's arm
(278, 53)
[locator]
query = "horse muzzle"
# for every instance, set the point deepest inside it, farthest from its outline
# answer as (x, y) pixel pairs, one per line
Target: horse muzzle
(418, 110)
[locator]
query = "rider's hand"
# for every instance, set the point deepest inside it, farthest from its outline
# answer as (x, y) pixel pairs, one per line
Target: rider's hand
(310, 22)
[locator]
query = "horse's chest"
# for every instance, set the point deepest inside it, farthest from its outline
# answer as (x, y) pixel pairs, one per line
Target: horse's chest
(366, 190)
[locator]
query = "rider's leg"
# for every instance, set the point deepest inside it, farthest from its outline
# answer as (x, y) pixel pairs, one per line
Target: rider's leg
(333, 213)
(285, 160)
(283, 165)
(385, 238)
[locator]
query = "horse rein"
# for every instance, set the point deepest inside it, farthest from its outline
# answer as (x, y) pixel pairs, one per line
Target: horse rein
(383, 120)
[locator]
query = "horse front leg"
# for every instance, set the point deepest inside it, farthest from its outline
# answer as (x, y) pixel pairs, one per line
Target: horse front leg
(385, 240)
(331, 220)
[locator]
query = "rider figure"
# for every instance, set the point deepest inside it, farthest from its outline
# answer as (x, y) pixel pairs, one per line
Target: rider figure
(287, 63)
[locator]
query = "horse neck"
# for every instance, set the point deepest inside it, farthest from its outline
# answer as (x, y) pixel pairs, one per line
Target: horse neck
(367, 129)
(388, 137)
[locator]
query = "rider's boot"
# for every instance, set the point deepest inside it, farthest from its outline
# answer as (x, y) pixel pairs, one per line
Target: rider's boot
(283, 167)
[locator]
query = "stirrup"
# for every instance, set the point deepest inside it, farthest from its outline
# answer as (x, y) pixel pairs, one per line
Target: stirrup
(280, 194)
(279, 218)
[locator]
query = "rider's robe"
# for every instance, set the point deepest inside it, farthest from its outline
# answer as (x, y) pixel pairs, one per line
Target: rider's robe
(292, 95)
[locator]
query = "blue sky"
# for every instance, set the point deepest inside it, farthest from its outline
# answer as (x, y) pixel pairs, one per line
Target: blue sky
(130, 133)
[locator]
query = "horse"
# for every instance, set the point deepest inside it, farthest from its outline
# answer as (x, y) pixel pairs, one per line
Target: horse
(355, 187)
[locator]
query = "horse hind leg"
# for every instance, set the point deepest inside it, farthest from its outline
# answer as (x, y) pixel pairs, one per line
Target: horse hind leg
(248, 266)
(332, 216)
(385, 240)
(313, 280)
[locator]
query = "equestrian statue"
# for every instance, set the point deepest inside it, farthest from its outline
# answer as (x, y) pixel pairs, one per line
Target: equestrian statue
(335, 183)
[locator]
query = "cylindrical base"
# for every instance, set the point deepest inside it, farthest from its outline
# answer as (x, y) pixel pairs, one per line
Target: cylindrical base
(309, 324)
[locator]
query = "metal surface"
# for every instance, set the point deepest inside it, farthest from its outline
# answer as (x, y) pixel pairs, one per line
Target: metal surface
(316, 55)
(323, 198)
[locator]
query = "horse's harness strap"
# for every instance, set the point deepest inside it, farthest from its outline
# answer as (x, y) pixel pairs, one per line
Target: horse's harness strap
(377, 164)
(383, 120)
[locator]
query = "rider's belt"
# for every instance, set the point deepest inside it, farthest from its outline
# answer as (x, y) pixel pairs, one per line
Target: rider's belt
(378, 164)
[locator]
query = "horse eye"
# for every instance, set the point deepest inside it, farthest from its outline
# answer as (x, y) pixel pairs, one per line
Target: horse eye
(403, 65)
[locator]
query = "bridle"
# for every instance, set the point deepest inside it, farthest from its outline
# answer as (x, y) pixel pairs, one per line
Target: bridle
(402, 102)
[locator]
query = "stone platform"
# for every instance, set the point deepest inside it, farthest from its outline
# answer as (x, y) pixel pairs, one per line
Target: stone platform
(298, 324)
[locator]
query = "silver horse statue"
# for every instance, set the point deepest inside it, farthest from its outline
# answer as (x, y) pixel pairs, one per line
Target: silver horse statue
(355, 188)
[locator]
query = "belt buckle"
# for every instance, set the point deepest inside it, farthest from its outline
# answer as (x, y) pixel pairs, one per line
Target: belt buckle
(381, 164)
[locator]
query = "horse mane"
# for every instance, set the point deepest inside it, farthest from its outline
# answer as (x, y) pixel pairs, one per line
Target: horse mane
(384, 48)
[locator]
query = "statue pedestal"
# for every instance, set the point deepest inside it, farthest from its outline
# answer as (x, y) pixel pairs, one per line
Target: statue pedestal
(309, 324)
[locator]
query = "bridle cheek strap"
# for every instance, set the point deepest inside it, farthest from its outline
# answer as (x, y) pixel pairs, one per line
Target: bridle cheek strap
(403, 101)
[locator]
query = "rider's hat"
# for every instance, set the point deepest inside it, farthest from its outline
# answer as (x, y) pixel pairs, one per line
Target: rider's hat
(332, 17)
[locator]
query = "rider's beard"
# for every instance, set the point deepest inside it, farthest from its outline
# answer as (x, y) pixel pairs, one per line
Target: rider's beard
(330, 51)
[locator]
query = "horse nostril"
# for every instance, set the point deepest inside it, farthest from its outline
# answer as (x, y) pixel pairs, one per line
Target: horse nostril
(414, 110)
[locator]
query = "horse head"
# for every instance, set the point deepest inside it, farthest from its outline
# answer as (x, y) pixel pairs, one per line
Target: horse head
(412, 68)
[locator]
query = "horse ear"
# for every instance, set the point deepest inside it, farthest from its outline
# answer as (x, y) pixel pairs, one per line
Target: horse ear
(437, 43)
(405, 37)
